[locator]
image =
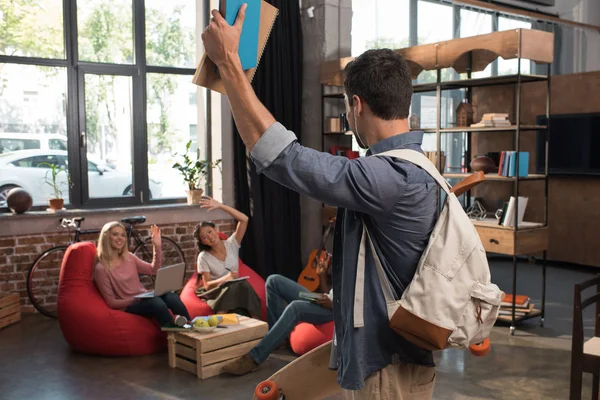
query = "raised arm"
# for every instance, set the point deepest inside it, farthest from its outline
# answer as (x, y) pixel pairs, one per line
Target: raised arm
(105, 288)
(359, 185)
(144, 267)
(241, 218)
(221, 44)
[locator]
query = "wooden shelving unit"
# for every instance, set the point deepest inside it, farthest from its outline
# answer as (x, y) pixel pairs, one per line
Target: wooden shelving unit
(468, 55)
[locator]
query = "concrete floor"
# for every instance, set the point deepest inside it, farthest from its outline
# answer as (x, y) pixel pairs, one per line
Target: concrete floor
(35, 361)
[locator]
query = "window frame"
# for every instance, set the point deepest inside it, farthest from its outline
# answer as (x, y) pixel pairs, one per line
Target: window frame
(75, 110)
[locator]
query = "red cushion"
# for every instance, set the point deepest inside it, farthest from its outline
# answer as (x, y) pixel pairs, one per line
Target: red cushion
(306, 337)
(197, 306)
(88, 324)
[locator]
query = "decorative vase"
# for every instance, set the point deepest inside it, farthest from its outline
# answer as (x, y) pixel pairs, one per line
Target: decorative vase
(56, 204)
(194, 196)
(483, 163)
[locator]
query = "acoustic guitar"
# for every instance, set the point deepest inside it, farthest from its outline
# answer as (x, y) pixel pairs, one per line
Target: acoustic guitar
(309, 278)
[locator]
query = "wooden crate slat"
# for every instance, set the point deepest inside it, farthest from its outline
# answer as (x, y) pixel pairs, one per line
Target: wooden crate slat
(8, 299)
(12, 309)
(233, 337)
(185, 351)
(186, 365)
(186, 339)
(214, 369)
(11, 319)
(227, 353)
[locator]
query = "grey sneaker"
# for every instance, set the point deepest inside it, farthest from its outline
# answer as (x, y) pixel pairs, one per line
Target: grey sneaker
(241, 366)
(180, 320)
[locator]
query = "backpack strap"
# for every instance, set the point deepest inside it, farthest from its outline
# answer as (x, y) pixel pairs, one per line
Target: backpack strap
(359, 289)
(419, 160)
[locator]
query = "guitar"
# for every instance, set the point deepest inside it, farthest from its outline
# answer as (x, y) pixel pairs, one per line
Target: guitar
(309, 278)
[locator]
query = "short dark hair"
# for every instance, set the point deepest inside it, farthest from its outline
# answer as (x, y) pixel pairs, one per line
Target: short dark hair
(196, 235)
(382, 79)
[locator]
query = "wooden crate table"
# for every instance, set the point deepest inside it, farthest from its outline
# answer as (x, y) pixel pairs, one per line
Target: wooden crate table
(10, 309)
(205, 354)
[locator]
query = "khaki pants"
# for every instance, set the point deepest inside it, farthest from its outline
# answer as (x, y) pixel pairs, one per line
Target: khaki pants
(396, 382)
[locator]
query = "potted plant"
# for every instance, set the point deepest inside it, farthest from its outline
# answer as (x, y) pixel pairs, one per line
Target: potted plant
(194, 174)
(57, 202)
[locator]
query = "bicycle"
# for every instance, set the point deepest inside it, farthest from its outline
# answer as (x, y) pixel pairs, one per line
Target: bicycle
(44, 273)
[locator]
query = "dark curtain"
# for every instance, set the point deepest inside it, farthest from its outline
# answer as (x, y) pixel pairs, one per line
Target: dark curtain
(272, 242)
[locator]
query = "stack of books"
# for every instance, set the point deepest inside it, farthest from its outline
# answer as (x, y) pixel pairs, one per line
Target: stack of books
(492, 120)
(523, 305)
(508, 163)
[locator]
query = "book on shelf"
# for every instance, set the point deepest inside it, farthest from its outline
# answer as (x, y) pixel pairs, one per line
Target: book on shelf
(492, 120)
(521, 301)
(519, 312)
(508, 164)
(509, 217)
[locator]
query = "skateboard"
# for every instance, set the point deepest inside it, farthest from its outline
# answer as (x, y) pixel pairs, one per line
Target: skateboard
(307, 377)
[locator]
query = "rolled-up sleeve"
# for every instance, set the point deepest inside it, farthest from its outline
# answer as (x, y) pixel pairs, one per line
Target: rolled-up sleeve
(275, 139)
(369, 184)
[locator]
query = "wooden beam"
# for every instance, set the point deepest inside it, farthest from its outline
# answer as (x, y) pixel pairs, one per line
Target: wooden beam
(522, 13)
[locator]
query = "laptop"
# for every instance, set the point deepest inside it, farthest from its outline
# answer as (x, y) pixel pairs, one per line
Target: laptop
(168, 279)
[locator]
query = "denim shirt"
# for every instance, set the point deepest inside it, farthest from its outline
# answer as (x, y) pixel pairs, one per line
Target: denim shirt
(398, 202)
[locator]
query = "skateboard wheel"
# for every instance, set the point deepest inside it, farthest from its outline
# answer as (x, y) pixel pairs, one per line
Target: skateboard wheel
(481, 349)
(266, 390)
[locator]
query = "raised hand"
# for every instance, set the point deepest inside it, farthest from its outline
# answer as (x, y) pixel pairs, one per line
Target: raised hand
(156, 240)
(209, 203)
(221, 40)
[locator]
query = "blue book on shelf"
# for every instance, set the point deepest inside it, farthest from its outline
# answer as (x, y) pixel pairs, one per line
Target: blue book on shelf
(248, 48)
(523, 164)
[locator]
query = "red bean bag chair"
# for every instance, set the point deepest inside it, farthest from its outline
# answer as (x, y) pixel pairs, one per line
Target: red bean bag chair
(88, 324)
(197, 307)
(306, 337)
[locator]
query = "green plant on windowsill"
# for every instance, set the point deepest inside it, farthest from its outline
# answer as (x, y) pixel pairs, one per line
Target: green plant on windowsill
(194, 172)
(58, 201)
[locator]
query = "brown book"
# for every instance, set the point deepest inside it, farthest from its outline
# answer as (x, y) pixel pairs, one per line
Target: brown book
(207, 74)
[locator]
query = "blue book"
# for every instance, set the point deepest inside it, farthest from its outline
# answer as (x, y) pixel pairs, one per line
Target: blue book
(523, 164)
(248, 48)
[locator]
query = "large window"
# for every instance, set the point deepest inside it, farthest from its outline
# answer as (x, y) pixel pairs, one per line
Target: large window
(379, 24)
(110, 102)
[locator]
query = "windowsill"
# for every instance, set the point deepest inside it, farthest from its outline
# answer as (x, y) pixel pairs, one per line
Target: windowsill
(32, 222)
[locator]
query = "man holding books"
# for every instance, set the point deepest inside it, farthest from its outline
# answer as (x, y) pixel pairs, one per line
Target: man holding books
(302, 306)
(395, 199)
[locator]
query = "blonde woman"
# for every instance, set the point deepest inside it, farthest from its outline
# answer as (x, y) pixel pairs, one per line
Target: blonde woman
(117, 279)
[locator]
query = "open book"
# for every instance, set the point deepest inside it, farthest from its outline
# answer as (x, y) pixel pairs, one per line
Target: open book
(207, 74)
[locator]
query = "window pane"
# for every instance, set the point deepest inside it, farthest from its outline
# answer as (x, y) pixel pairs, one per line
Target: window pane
(434, 25)
(105, 31)
(379, 24)
(32, 113)
(32, 28)
(109, 135)
(171, 33)
(472, 24)
(434, 22)
(507, 67)
(172, 122)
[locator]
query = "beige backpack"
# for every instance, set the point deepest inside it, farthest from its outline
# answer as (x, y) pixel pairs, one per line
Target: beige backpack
(450, 302)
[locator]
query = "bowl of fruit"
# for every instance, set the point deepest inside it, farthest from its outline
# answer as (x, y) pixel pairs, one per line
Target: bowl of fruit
(206, 324)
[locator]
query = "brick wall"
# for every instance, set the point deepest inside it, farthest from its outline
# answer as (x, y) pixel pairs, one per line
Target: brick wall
(17, 253)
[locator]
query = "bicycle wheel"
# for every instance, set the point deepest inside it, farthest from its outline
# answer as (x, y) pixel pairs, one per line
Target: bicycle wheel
(42, 280)
(172, 254)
